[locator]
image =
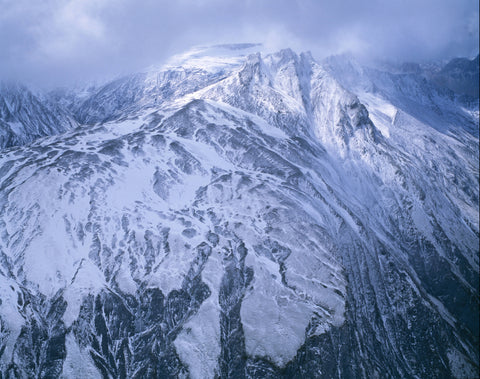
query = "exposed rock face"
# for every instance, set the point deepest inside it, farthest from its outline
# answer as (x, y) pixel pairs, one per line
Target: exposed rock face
(263, 216)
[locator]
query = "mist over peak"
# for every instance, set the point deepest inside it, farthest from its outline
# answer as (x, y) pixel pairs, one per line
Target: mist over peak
(58, 42)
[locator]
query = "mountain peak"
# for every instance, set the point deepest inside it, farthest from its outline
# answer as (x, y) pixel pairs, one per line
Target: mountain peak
(214, 57)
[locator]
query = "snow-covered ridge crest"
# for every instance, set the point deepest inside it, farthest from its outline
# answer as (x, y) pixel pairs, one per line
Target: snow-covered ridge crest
(212, 58)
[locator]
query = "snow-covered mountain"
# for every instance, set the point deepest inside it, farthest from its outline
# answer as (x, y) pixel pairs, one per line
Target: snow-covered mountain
(25, 116)
(460, 75)
(240, 214)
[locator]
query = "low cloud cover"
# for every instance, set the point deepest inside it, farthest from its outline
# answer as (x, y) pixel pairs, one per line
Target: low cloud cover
(63, 41)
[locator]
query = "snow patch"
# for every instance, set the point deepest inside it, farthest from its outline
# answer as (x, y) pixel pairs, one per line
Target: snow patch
(11, 301)
(78, 364)
(88, 279)
(198, 344)
(460, 366)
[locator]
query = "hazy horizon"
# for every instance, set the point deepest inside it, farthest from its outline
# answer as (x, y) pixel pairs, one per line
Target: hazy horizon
(56, 43)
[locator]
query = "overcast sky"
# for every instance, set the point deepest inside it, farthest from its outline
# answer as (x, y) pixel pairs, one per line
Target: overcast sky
(61, 41)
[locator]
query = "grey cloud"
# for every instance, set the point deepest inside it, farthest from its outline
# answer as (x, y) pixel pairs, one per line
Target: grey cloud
(58, 41)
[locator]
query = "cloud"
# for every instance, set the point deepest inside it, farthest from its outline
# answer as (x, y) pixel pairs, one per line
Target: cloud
(59, 41)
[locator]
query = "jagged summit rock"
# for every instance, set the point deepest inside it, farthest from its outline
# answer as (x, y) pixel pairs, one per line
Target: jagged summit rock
(242, 214)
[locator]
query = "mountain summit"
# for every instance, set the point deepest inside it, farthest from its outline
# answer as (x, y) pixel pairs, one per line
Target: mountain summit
(239, 214)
